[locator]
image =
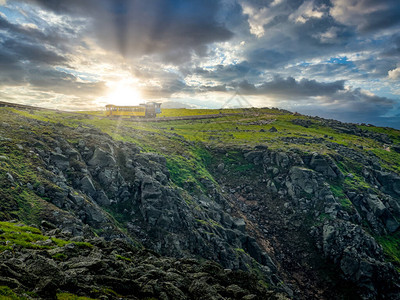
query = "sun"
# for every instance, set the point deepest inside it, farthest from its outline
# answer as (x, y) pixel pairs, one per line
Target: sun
(123, 93)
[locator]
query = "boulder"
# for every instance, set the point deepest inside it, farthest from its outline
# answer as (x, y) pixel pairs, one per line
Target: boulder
(150, 188)
(303, 178)
(60, 161)
(87, 186)
(324, 165)
(273, 129)
(102, 158)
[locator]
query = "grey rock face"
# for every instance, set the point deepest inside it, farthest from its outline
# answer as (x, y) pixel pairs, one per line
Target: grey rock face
(325, 166)
(61, 161)
(304, 179)
(135, 186)
(101, 158)
(98, 267)
(359, 257)
(87, 185)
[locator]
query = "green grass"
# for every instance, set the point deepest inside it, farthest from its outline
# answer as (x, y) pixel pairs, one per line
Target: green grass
(60, 256)
(338, 192)
(240, 250)
(7, 294)
(120, 257)
(391, 248)
(209, 223)
(239, 129)
(393, 134)
(68, 296)
(391, 159)
(20, 235)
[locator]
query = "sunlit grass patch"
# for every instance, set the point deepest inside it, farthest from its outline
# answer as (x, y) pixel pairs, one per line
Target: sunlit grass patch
(18, 234)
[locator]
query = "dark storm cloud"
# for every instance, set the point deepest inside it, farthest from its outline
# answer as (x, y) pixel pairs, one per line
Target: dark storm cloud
(19, 43)
(174, 29)
(63, 83)
(270, 59)
(393, 48)
(169, 87)
(367, 15)
(229, 72)
(291, 88)
(361, 101)
(30, 33)
(286, 88)
(355, 106)
(28, 57)
(35, 53)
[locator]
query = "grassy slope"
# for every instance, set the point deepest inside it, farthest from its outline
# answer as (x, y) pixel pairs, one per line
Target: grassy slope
(185, 144)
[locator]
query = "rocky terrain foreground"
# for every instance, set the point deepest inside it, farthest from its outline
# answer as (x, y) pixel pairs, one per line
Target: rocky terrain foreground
(297, 207)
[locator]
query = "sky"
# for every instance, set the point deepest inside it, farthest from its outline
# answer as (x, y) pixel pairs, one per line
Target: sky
(337, 59)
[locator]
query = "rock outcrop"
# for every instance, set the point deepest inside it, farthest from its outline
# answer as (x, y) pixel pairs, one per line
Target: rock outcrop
(99, 269)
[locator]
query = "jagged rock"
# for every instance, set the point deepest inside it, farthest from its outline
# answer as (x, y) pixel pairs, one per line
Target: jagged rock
(375, 204)
(221, 167)
(358, 256)
(325, 166)
(239, 224)
(101, 198)
(390, 183)
(261, 147)
(60, 160)
(87, 185)
(282, 159)
(150, 188)
(303, 178)
(102, 158)
(302, 122)
(255, 157)
(273, 129)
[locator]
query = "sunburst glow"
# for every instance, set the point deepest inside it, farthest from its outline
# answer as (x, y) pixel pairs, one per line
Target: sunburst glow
(122, 93)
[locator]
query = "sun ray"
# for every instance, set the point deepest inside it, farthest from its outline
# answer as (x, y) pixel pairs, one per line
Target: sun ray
(122, 92)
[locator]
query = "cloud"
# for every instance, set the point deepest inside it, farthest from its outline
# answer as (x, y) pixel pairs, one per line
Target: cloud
(366, 15)
(291, 88)
(394, 74)
(29, 58)
(33, 53)
(257, 18)
(355, 105)
(306, 11)
(174, 30)
(297, 53)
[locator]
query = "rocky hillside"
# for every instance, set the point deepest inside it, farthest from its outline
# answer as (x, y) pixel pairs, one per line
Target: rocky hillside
(307, 208)
(48, 264)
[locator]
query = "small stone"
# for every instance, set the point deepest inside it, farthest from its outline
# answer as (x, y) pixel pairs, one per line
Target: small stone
(9, 177)
(221, 167)
(273, 129)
